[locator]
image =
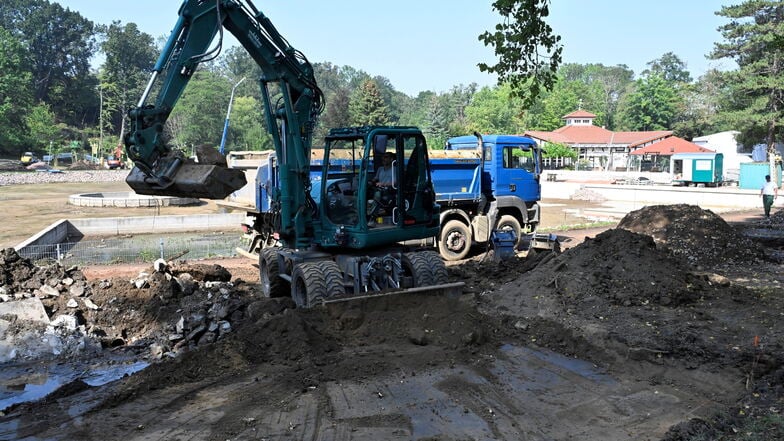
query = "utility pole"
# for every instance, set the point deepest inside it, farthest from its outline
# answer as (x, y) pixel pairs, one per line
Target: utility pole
(228, 112)
(100, 122)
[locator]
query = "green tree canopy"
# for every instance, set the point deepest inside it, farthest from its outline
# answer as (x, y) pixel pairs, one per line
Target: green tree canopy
(367, 107)
(754, 38)
(495, 110)
(670, 67)
(528, 51)
(200, 113)
(652, 105)
(61, 43)
(246, 128)
(16, 94)
(130, 55)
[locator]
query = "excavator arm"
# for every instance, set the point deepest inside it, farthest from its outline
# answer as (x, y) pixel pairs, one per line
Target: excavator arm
(159, 170)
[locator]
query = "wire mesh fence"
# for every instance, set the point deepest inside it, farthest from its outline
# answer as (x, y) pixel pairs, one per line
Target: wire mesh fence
(135, 249)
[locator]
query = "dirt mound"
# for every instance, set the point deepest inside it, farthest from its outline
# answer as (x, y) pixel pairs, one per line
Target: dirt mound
(699, 236)
(777, 218)
(623, 267)
(321, 344)
(618, 296)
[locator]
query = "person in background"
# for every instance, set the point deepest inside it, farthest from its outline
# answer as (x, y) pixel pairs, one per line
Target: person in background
(769, 193)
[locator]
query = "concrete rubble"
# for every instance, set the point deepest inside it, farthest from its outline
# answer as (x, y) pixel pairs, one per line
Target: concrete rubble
(54, 311)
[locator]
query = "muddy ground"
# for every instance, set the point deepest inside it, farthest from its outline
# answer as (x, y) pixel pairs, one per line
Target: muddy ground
(667, 327)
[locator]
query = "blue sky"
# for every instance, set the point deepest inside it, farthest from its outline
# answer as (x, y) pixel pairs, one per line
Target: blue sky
(432, 44)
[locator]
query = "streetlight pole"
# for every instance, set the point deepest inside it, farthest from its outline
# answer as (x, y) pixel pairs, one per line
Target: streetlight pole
(100, 122)
(228, 112)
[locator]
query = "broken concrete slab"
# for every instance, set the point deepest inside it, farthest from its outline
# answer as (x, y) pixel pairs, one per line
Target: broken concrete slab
(28, 309)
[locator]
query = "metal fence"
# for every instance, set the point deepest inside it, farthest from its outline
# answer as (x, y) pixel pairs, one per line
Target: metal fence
(134, 249)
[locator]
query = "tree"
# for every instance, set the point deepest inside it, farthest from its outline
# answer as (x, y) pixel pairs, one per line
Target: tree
(670, 67)
(436, 128)
(336, 113)
(367, 107)
(557, 150)
(495, 110)
(554, 105)
(43, 128)
(197, 118)
(754, 38)
(130, 55)
(61, 43)
(247, 131)
(651, 106)
(699, 113)
(16, 94)
(528, 50)
(606, 86)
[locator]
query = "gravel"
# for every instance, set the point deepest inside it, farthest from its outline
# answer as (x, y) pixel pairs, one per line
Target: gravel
(47, 177)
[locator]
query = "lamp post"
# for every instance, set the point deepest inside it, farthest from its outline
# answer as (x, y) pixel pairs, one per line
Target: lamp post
(100, 122)
(228, 112)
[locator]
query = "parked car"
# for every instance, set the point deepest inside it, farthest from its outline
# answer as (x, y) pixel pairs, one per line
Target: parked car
(29, 158)
(113, 163)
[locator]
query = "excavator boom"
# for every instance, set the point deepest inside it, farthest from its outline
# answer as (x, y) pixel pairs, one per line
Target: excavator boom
(160, 170)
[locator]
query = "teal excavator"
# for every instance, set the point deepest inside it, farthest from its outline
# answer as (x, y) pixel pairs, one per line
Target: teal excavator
(332, 238)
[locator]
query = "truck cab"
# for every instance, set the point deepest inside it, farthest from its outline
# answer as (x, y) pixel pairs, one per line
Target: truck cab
(485, 183)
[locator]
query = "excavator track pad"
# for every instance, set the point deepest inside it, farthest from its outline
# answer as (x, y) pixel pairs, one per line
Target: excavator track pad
(192, 180)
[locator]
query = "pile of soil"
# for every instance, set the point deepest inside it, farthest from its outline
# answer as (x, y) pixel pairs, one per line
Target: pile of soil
(699, 236)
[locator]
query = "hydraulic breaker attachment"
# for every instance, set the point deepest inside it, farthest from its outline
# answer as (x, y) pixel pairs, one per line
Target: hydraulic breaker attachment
(188, 179)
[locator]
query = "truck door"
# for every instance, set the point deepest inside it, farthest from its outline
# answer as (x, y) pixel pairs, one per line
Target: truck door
(514, 171)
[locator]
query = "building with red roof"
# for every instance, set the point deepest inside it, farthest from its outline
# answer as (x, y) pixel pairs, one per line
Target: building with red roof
(599, 147)
(656, 156)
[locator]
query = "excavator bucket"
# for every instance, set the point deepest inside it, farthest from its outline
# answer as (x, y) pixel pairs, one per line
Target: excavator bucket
(191, 180)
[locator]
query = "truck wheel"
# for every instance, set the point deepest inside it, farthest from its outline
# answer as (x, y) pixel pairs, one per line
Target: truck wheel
(455, 241)
(269, 274)
(508, 222)
(308, 286)
(417, 266)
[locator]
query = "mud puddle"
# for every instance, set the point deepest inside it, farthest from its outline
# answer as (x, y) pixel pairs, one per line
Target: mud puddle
(24, 383)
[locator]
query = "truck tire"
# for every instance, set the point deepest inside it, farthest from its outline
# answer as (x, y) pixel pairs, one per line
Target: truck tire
(269, 274)
(508, 222)
(454, 243)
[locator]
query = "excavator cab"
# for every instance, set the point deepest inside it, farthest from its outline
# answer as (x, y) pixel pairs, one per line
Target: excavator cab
(361, 199)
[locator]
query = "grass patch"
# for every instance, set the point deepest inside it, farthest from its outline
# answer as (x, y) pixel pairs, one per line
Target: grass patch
(584, 226)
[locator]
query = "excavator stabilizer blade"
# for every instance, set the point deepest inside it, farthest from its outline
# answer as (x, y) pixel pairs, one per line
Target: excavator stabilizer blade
(192, 180)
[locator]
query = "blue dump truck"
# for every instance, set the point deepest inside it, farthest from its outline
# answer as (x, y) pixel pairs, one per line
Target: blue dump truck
(484, 189)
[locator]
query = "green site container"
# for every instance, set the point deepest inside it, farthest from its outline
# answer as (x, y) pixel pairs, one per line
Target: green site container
(705, 168)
